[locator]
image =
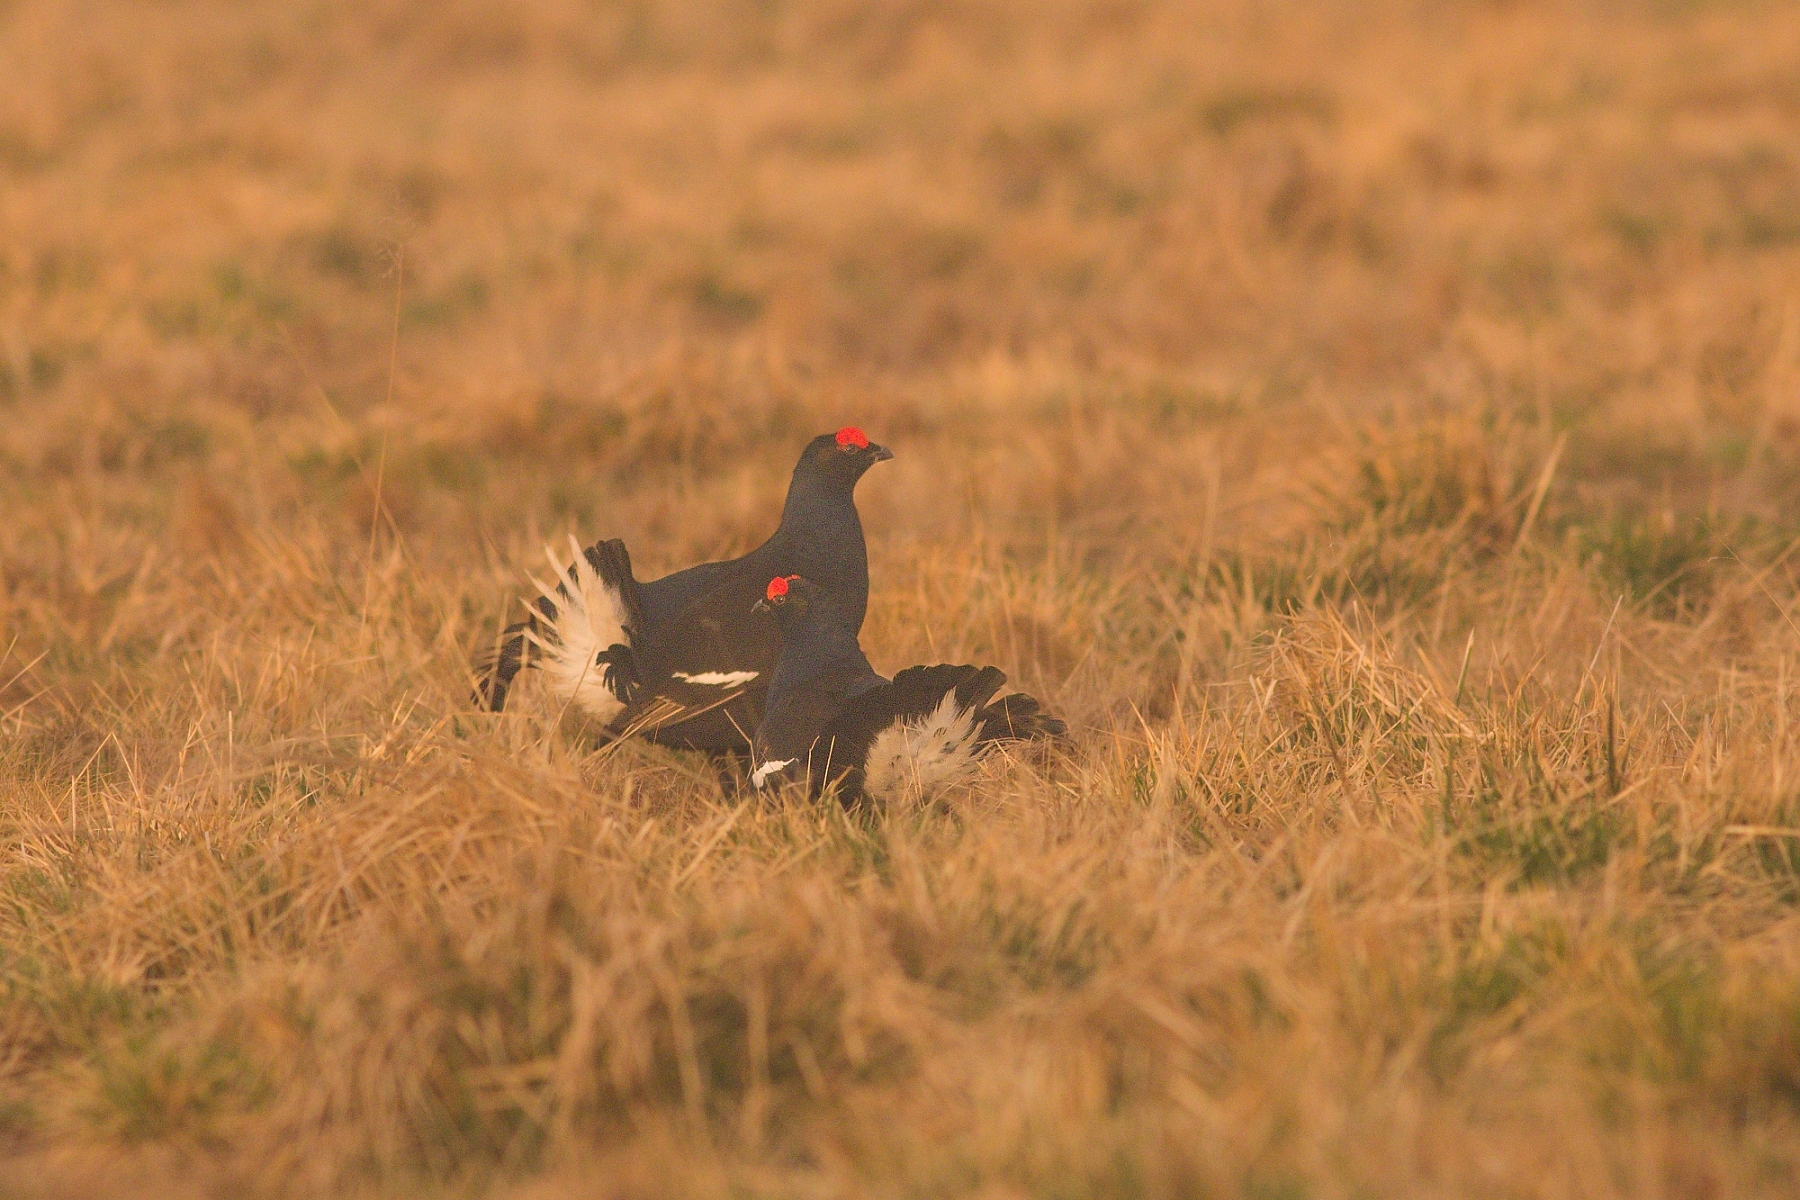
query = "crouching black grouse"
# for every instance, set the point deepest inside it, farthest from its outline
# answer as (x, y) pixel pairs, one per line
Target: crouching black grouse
(830, 719)
(682, 658)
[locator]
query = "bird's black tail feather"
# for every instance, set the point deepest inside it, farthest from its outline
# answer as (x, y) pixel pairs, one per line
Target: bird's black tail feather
(1016, 717)
(1013, 718)
(917, 691)
(612, 562)
(494, 672)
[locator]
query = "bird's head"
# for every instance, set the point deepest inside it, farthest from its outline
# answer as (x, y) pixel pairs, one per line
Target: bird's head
(787, 596)
(843, 455)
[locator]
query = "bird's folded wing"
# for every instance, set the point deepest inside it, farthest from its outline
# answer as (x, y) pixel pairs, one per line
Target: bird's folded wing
(713, 652)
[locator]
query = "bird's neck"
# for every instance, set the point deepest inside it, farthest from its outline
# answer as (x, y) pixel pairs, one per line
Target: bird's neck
(821, 537)
(819, 506)
(823, 630)
(823, 639)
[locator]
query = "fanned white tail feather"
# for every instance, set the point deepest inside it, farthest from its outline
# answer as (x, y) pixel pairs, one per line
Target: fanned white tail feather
(590, 619)
(922, 756)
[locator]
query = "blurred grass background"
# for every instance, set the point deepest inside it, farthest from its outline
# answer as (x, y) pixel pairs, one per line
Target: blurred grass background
(1374, 425)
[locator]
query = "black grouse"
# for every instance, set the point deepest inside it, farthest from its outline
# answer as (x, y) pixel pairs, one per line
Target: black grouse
(682, 659)
(830, 719)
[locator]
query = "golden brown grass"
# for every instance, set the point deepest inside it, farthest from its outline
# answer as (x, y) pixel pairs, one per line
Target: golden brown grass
(1374, 426)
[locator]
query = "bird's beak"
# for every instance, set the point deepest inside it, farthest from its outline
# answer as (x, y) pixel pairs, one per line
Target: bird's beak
(881, 453)
(761, 606)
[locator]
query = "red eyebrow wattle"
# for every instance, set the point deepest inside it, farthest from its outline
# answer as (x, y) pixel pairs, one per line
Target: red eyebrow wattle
(850, 435)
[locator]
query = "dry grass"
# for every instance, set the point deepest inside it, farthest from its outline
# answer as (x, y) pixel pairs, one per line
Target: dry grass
(1374, 426)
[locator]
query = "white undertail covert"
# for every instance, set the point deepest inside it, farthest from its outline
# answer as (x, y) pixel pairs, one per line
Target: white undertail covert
(922, 756)
(590, 619)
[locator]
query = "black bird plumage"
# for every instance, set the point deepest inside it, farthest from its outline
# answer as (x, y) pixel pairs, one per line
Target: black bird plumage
(682, 659)
(830, 718)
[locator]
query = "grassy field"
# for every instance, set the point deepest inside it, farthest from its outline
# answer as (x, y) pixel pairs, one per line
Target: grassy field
(1374, 426)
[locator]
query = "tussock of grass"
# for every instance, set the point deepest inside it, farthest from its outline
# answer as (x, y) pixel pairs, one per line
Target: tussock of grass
(1372, 429)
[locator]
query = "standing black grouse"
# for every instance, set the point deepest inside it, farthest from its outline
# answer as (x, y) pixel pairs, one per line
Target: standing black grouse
(682, 659)
(830, 719)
